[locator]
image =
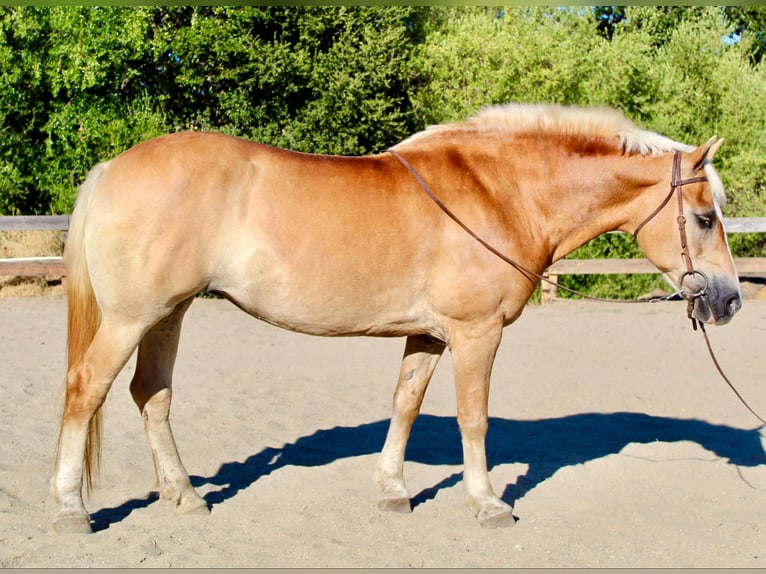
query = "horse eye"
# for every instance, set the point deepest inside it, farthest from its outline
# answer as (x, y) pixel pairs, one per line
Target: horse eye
(706, 221)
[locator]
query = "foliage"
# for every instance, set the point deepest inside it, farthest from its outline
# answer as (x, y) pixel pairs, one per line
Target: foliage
(480, 56)
(311, 79)
(749, 22)
(67, 75)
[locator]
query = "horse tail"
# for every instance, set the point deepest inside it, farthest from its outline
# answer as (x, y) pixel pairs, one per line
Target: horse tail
(83, 313)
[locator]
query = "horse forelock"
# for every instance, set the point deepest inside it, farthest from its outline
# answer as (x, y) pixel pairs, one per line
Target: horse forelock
(571, 122)
(715, 183)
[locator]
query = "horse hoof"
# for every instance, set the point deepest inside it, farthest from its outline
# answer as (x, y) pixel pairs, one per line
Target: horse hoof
(398, 504)
(72, 524)
(193, 505)
(496, 517)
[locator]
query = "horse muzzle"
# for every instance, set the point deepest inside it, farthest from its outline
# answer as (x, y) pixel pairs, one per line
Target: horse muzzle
(715, 299)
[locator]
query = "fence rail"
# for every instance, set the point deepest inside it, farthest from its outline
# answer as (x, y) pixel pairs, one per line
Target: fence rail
(54, 266)
(33, 266)
(34, 222)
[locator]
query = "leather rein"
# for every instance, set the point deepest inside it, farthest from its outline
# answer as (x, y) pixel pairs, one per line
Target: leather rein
(676, 187)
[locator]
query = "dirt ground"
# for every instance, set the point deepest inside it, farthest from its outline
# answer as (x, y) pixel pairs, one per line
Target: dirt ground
(610, 433)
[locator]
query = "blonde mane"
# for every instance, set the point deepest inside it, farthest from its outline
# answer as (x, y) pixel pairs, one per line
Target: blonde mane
(598, 122)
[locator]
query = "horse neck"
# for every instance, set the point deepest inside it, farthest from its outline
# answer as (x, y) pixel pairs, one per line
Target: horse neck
(585, 196)
(565, 199)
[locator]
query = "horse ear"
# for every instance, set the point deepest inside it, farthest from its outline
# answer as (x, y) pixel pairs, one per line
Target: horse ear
(705, 152)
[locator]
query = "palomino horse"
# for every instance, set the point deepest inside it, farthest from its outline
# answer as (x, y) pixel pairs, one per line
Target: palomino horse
(355, 246)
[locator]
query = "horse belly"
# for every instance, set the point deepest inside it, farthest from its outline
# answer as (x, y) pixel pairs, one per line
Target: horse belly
(323, 300)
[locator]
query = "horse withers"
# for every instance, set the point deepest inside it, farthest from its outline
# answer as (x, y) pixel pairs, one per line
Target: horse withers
(341, 246)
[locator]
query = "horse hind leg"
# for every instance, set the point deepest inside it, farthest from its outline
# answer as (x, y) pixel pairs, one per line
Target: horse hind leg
(421, 355)
(151, 389)
(88, 383)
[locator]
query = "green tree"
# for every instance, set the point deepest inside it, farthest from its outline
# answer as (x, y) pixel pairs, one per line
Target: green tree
(480, 56)
(70, 96)
(310, 78)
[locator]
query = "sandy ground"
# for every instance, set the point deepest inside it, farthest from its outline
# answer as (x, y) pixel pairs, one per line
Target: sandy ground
(610, 433)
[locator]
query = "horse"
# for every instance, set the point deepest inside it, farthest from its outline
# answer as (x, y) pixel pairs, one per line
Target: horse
(363, 246)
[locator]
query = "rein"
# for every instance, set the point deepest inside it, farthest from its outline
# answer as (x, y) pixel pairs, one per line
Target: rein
(676, 187)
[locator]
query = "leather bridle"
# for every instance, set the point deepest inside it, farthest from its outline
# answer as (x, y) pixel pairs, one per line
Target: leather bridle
(676, 185)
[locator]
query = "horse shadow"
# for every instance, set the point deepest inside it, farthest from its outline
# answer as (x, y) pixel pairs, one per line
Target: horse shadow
(545, 445)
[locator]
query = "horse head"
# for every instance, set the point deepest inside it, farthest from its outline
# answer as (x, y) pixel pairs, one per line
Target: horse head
(688, 222)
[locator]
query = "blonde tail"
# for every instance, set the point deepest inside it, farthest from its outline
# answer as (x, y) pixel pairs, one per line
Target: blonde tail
(83, 314)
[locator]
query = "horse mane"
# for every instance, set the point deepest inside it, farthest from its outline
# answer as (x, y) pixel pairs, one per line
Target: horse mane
(594, 123)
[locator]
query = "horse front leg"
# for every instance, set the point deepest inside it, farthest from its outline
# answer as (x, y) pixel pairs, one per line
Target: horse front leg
(421, 355)
(473, 356)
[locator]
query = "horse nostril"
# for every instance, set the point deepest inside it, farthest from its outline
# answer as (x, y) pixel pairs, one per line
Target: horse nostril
(733, 304)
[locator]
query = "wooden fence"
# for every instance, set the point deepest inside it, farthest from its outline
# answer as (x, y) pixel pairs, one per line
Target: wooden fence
(33, 266)
(54, 266)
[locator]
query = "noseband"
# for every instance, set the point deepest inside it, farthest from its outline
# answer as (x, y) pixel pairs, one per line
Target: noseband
(676, 185)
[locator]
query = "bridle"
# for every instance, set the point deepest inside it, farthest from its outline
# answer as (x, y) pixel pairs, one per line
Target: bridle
(676, 187)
